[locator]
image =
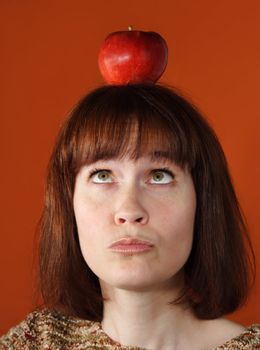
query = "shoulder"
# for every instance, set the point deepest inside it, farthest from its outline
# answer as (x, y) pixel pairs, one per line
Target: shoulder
(248, 339)
(222, 334)
(47, 327)
(235, 336)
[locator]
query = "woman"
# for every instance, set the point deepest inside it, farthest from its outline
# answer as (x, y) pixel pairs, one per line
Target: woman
(142, 243)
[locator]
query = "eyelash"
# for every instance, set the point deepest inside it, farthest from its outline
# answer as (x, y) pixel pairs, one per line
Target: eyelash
(165, 170)
(95, 171)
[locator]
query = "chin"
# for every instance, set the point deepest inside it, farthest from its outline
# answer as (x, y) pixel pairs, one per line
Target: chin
(139, 282)
(127, 279)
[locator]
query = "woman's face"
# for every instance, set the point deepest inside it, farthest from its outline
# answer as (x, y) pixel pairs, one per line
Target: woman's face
(149, 200)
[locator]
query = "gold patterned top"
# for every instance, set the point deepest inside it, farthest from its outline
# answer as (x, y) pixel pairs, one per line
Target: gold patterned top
(50, 330)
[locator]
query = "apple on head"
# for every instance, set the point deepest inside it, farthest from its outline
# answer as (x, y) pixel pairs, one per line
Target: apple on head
(132, 57)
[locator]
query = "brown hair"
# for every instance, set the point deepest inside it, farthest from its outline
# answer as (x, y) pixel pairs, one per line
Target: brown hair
(219, 269)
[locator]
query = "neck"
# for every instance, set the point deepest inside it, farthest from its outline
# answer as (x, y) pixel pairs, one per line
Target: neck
(146, 319)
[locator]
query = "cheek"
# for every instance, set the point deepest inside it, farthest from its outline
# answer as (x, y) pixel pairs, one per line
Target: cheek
(178, 233)
(88, 220)
(91, 219)
(89, 237)
(88, 209)
(175, 213)
(177, 226)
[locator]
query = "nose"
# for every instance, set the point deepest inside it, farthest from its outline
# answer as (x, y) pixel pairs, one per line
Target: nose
(130, 211)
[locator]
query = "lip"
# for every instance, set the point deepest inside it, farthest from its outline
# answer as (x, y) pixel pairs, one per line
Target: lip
(131, 246)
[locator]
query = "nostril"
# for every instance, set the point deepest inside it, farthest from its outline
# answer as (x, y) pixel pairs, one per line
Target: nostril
(139, 219)
(121, 218)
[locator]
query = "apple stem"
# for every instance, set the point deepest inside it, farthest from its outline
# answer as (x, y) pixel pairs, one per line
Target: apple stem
(130, 28)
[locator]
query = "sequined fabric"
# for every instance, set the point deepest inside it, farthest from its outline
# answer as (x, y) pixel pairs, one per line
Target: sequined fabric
(51, 330)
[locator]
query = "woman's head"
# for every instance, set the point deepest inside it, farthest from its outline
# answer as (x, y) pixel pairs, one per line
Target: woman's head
(115, 122)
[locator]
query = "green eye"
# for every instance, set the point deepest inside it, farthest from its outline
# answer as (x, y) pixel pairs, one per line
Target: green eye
(162, 177)
(101, 176)
(158, 176)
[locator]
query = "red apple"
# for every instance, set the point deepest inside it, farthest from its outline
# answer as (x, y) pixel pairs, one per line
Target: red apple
(132, 57)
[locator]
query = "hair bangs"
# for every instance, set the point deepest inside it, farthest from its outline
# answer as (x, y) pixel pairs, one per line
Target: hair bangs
(130, 127)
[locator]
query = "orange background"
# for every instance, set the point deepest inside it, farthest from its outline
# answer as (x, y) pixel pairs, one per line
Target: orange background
(49, 60)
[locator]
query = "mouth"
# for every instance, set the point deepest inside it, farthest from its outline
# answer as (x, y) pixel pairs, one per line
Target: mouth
(131, 246)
